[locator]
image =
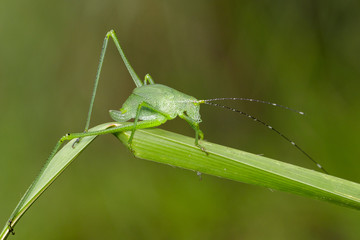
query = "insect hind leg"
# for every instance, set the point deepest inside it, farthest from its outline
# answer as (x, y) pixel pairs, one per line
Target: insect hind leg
(111, 34)
(11, 229)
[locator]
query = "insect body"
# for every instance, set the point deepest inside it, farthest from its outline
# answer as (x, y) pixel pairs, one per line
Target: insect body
(157, 103)
(151, 105)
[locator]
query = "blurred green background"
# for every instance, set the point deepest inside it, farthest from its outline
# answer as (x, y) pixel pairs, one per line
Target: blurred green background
(304, 54)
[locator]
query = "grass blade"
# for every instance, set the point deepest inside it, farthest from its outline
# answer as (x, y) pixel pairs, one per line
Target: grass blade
(178, 150)
(47, 175)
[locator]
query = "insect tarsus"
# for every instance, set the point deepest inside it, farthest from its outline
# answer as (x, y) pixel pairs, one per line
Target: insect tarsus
(11, 229)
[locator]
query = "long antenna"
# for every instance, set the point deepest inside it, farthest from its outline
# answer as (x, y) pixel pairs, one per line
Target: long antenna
(268, 126)
(253, 100)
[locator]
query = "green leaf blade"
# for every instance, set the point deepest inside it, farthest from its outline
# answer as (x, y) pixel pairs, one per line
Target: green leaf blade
(50, 171)
(180, 151)
(177, 150)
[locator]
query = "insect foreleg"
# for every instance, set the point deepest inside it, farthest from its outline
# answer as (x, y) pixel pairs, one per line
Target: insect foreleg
(198, 133)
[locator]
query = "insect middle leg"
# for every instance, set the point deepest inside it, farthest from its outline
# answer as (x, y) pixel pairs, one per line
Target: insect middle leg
(148, 79)
(160, 117)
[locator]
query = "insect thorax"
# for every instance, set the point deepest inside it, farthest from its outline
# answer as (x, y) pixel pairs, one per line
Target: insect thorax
(166, 100)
